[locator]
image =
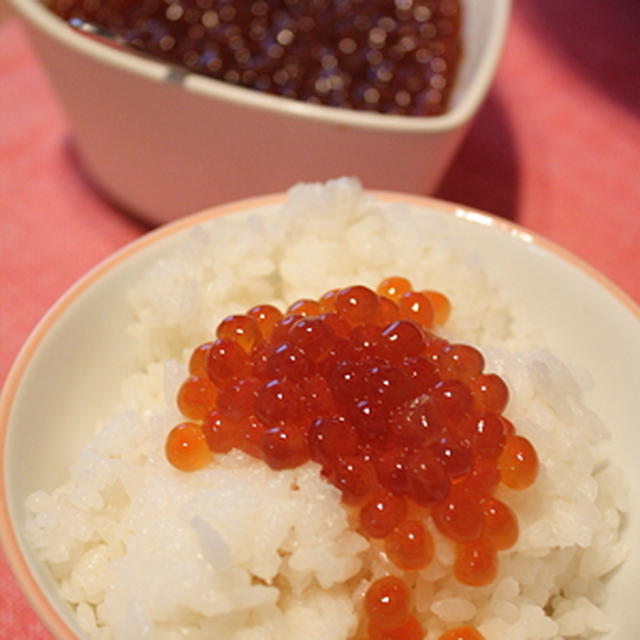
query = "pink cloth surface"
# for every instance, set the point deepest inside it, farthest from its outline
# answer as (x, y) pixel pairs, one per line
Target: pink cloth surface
(556, 148)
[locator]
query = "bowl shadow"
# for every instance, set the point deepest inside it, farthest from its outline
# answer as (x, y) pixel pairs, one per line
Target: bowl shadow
(72, 156)
(485, 172)
(598, 39)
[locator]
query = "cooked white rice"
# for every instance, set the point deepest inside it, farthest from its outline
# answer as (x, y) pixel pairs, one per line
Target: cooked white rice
(240, 552)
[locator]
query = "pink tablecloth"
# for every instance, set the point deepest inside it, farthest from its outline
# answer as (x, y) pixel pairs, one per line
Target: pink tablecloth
(556, 148)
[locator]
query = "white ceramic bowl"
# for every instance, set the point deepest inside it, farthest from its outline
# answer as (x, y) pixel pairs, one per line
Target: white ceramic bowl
(163, 148)
(49, 404)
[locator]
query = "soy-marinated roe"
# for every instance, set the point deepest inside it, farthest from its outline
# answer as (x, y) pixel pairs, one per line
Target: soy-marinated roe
(407, 425)
(390, 56)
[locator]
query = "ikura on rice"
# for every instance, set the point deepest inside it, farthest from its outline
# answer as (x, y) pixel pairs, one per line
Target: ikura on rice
(406, 425)
(305, 456)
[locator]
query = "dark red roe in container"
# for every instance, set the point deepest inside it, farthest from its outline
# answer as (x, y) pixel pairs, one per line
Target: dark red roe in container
(406, 425)
(378, 55)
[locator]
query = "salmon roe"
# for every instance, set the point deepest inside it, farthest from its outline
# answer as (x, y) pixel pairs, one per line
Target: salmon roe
(476, 563)
(197, 362)
(196, 396)
(462, 633)
(441, 305)
(405, 424)
(186, 447)
(518, 463)
(410, 545)
(388, 603)
(409, 630)
(393, 287)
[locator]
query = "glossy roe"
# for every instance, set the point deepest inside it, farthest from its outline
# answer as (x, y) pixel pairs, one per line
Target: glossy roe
(406, 425)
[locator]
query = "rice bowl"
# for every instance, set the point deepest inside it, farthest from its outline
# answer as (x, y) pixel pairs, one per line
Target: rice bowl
(252, 572)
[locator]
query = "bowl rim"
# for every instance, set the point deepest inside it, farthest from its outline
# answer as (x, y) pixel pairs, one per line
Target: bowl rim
(9, 541)
(37, 15)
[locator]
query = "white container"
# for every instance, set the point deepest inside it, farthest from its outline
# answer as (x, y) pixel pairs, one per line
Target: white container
(163, 148)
